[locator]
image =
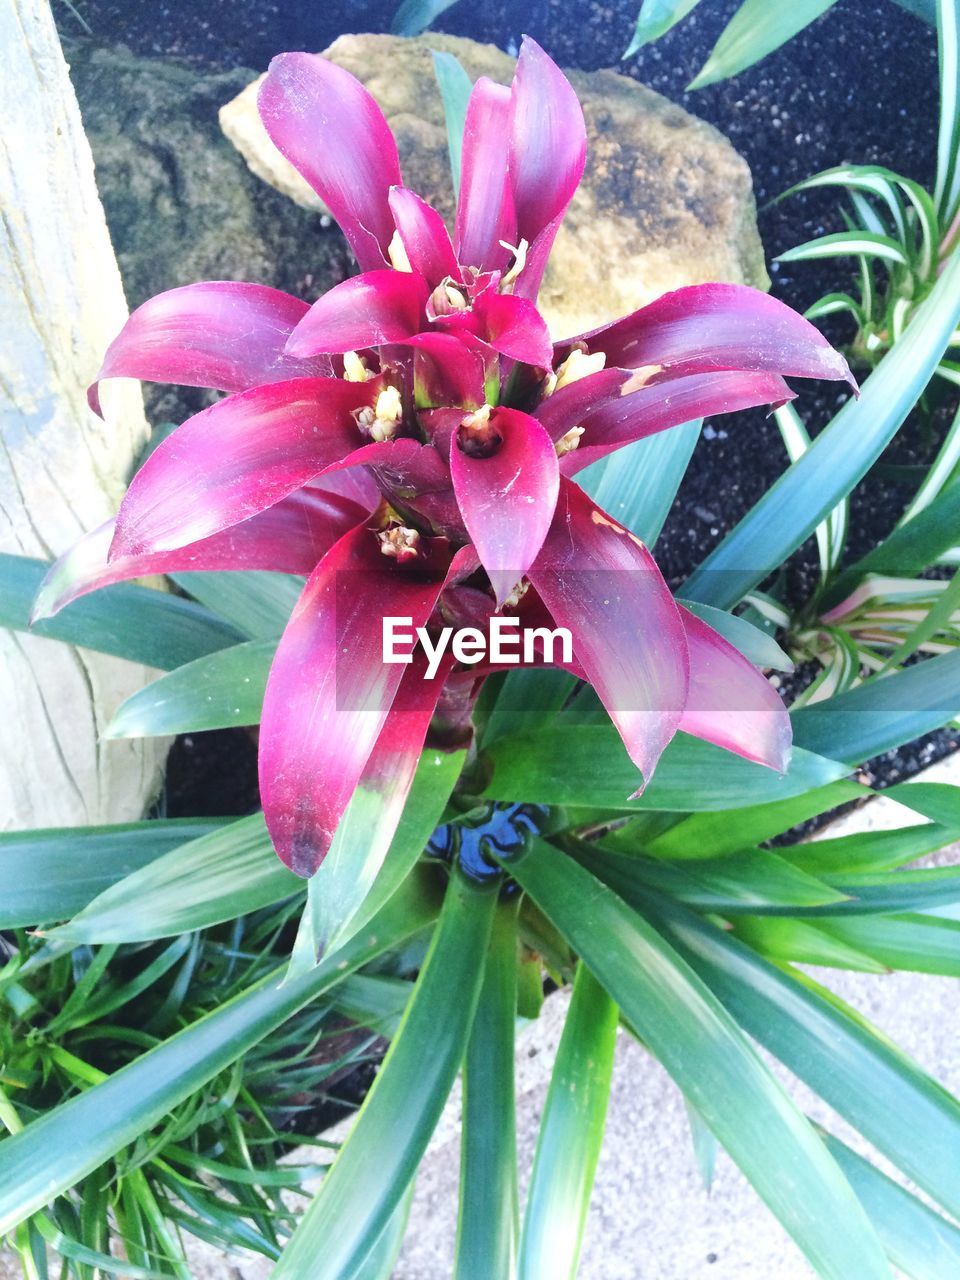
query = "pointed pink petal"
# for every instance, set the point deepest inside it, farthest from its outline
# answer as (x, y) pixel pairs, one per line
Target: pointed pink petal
(424, 235)
(514, 327)
(329, 127)
(718, 326)
(392, 764)
(237, 458)
(548, 147)
(599, 580)
(668, 404)
(731, 703)
(330, 692)
(364, 311)
(507, 500)
(450, 369)
(290, 537)
(567, 408)
(217, 334)
(485, 212)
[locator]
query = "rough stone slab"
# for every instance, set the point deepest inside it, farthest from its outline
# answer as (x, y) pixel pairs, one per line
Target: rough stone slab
(666, 201)
(62, 470)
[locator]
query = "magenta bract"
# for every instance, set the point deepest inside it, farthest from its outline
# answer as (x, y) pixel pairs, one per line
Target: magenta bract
(446, 427)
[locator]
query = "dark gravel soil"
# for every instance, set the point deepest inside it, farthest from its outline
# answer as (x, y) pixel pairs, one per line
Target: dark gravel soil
(859, 85)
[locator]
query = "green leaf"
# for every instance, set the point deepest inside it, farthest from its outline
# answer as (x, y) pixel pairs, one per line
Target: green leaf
(527, 700)
(745, 881)
(48, 875)
(908, 1116)
(587, 764)
(838, 458)
(705, 1145)
(922, 1244)
(257, 603)
(219, 876)
(759, 646)
(571, 1135)
(870, 851)
(380, 1262)
(831, 533)
(789, 941)
(137, 623)
(925, 9)
(361, 864)
(378, 1160)
(755, 30)
(414, 16)
(844, 243)
(947, 192)
(709, 835)
(455, 89)
(940, 474)
(55, 1151)
(638, 483)
(487, 1222)
(918, 944)
(882, 713)
(699, 1044)
(911, 548)
(655, 19)
(223, 690)
(889, 891)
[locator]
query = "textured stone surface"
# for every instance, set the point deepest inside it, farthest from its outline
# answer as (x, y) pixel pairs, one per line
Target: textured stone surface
(180, 203)
(666, 200)
(62, 470)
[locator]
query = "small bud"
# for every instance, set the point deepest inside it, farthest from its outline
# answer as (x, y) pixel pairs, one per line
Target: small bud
(477, 436)
(354, 369)
(383, 421)
(447, 298)
(567, 443)
(399, 543)
(577, 365)
(516, 595)
(397, 254)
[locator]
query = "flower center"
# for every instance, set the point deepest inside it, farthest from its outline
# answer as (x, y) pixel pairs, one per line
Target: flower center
(399, 543)
(477, 434)
(382, 422)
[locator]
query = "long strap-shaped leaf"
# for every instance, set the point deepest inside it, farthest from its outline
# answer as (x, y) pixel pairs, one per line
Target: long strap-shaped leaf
(638, 484)
(234, 871)
(655, 19)
(399, 1114)
(837, 460)
(700, 1045)
(756, 29)
(152, 627)
(882, 714)
(222, 690)
(912, 547)
(48, 875)
(56, 1151)
(902, 1111)
(571, 1135)
(922, 1244)
(487, 1225)
(947, 192)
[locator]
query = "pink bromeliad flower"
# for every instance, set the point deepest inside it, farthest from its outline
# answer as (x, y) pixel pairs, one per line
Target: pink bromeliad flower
(410, 443)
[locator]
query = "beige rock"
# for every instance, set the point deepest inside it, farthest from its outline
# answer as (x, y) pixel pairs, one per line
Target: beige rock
(665, 201)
